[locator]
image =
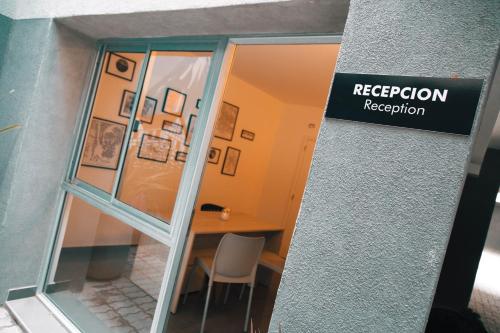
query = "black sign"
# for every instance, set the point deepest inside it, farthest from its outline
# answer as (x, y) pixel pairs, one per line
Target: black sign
(434, 104)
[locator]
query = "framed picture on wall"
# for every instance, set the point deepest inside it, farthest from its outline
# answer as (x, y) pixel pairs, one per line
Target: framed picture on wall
(181, 156)
(154, 148)
(231, 161)
(190, 130)
(120, 66)
(214, 155)
(172, 127)
(103, 144)
(174, 102)
(226, 123)
(247, 135)
(148, 109)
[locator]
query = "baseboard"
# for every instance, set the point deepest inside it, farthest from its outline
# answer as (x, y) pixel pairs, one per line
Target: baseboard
(22, 292)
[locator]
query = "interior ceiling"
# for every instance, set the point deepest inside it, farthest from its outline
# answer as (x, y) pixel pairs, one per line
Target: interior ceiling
(294, 74)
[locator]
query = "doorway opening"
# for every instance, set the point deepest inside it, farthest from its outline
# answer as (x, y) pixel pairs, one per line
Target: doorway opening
(253, 183)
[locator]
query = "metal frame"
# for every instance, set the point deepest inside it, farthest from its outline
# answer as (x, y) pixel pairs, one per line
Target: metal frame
(175, 234)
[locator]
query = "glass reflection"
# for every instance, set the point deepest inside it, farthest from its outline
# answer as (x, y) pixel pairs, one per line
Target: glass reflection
(107, 275)
(158, 149)
(108, 121)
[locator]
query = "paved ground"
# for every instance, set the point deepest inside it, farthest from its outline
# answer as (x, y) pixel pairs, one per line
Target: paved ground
(485, 299)
(487, 305)
(7, 324)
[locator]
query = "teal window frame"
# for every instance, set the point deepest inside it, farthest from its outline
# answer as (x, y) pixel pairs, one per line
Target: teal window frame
(209, 44)
(173, 235)
(167, 234)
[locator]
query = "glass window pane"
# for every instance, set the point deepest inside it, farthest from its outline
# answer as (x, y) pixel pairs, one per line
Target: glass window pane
(107, 275)
(159, 145)
(108, 120)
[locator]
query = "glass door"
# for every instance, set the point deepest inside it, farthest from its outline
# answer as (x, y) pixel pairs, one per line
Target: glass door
(129, 196)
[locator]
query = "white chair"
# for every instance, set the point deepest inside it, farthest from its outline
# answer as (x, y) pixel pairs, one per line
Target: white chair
(235, 261)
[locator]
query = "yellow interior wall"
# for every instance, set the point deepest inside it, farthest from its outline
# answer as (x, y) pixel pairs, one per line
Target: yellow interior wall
(265, 170)
(259, 113)
(150, 185)
(106, 106)
(88, 226)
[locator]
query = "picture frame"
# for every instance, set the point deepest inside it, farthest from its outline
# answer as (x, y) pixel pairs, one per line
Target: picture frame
(231, 160)
(214, 155)
(103, 144)
(174, 102)
(226, 122)
(148, 109)
(181, 156)
(154, 148)
(247, 135)
(172, 127)
(120, 66)
(190, 130)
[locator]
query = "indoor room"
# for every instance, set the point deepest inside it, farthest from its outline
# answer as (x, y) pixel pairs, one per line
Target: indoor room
(254, 178)
(108, 273)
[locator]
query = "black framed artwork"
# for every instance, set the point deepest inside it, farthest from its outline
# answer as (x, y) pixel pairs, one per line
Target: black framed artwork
(148, 109)
(181, 156)
(213, 155)
(226, 123)
(190, 130)
(174, 102)
(154, 148)
(103, 144)
(247, 135)
(120, 66)
(231, 161)
(172, 127)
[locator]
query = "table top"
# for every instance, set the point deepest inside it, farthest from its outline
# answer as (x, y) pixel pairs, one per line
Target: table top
(211, 223)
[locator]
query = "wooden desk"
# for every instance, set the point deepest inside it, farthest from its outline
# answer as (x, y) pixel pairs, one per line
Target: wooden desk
(210, 223)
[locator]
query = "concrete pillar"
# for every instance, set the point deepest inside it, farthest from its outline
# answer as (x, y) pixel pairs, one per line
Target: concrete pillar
(380, 202)
(5, 24)
(44, 72)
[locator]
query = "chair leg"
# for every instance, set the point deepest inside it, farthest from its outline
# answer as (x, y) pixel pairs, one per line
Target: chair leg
(242, 291)
(186, 288)
(248, 308)
(205, 310)
(227, 292)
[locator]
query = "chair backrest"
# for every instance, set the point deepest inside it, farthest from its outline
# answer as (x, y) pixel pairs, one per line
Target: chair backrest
(237, 256)
(210, 207)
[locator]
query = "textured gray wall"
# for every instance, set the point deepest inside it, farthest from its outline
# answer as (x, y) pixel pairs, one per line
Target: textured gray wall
(380, 201)
(295, 16)
(5, 24)
(45, 70)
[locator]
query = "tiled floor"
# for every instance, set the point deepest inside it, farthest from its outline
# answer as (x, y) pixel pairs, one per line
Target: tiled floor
(120, 304)
(227, 318)
(488, 307)
(485, 298)
(7, 324)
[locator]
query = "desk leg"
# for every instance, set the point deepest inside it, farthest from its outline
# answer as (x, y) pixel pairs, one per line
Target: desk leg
(182, 273)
